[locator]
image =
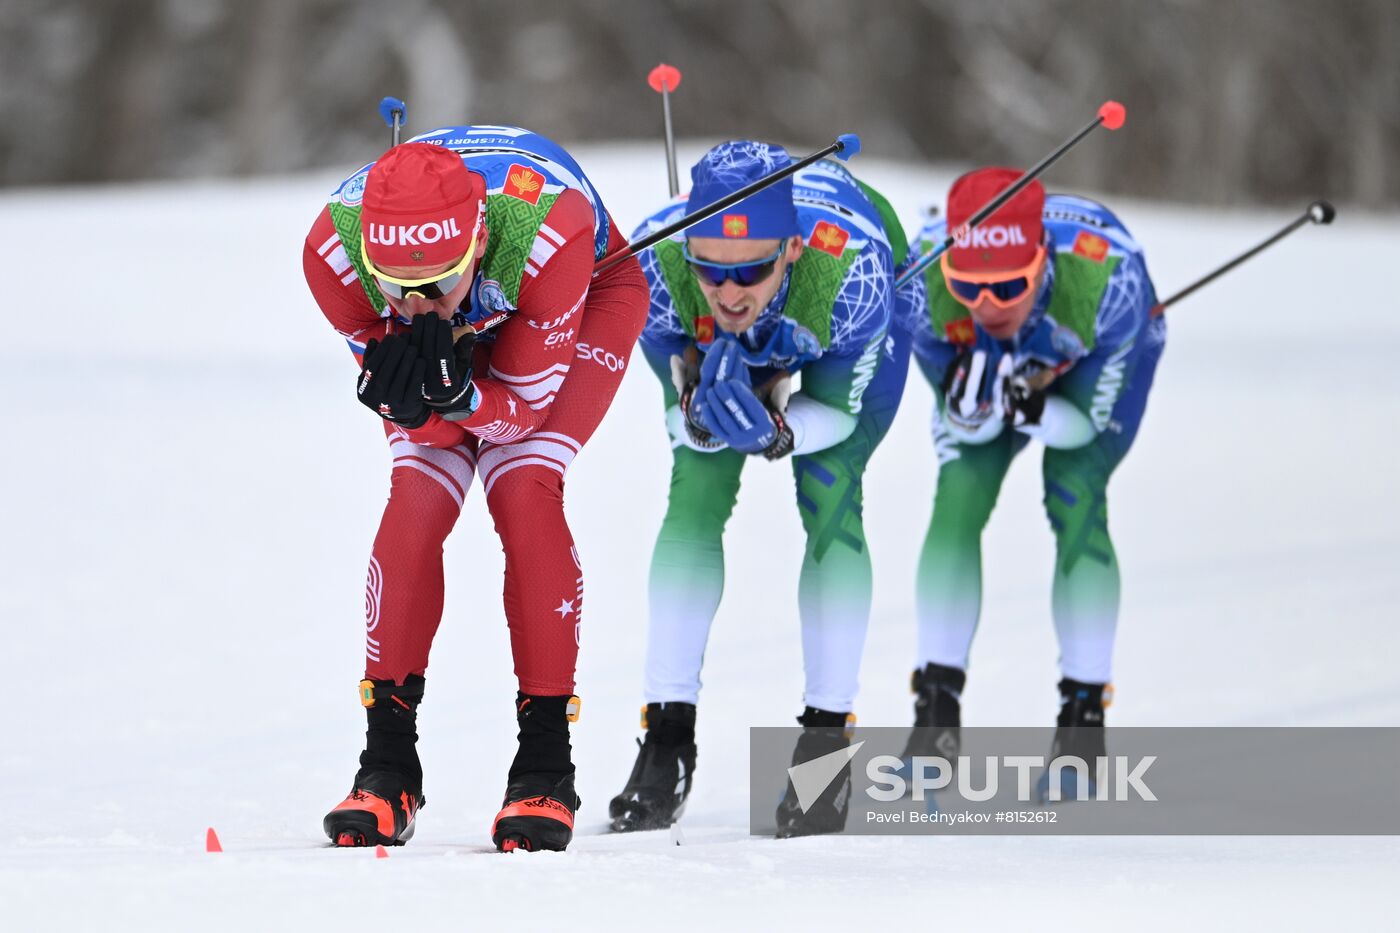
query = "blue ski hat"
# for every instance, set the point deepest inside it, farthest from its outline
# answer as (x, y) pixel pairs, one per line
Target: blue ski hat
(768, 215)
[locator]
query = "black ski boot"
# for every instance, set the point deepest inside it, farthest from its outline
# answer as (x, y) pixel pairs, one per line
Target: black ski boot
(388, 789)
(540, 803)
(1079, 733)
(823, 733)
(1079, 727)
(937, 712)
(661, 779)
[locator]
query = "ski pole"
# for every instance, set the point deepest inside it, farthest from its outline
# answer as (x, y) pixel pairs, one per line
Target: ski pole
(663, 80)
(1110, 117)
(1318, 212)
(845, 146)
(393, 111)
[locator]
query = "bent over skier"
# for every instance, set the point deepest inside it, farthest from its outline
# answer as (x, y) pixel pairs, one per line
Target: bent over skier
(1037, 326)
(796, 278)
(459, 268)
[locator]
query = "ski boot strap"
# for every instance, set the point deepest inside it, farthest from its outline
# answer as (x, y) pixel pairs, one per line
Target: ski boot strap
(938, 677)
(572, 705)
(406, 695)
(674, 711)
(813, 718)
(1071, 689)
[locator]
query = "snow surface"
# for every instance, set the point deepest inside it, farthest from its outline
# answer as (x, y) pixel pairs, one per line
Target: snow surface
(191, 494)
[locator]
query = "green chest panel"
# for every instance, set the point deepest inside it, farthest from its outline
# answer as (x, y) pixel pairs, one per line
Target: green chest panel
(1079, 287)
(899, 244)
(951, 320)
(1074, 299)
(347, 225)
(815, 281)
(512, 224)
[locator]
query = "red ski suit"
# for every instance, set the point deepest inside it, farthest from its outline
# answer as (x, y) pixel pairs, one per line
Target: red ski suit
(545, 383)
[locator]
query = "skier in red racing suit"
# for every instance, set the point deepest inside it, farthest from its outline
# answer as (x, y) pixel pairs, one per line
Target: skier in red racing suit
(459, 269)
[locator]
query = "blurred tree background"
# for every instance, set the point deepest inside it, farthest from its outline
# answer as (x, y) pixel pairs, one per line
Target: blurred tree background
(1229, 101)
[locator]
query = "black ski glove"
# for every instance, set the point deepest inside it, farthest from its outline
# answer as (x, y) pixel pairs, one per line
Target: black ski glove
(969, 390)
(447, 385)
(391, 381)
(1024, 398)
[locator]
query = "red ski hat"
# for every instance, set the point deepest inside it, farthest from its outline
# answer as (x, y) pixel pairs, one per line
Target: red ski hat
(1006, 240)
(422, 207)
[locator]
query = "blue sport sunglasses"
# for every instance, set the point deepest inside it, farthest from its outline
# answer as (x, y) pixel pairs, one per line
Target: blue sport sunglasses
(743, 273)
(1005, 290)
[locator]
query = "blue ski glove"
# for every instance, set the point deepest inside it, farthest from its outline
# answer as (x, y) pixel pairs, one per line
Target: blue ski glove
(718, 364)
(789, 347)
(735, 414)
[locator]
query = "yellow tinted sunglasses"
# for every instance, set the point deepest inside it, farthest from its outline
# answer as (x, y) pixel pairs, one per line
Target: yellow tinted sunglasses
(433, 287)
